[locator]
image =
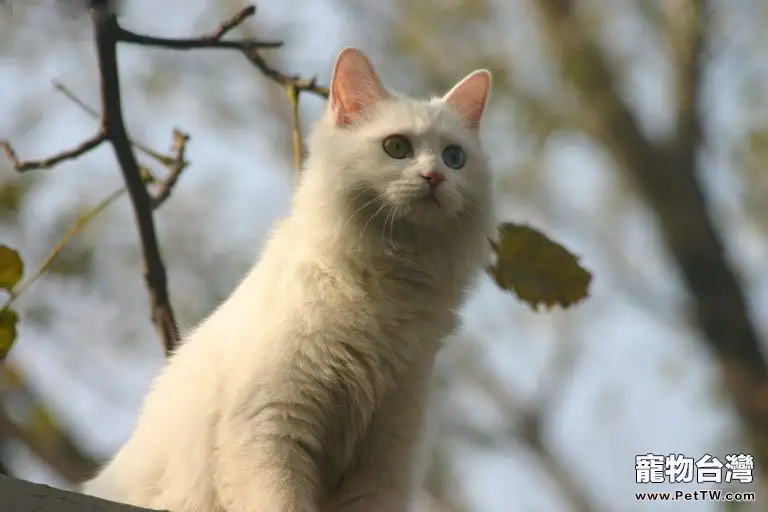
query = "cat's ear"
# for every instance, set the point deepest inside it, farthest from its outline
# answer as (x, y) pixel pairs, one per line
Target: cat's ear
(355, 86)
(470, 96)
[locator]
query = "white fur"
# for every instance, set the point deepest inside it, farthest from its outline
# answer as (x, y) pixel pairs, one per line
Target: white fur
(304, 391)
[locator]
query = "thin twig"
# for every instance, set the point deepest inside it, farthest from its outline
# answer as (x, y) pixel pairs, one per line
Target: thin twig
(73, 230)
(179, 148)
(108, 34)
(46, 163)
(298, 147)
(301, 84)
(234, 21)
(213, 40)
(249, 47)
(63, 89)
(126, 36)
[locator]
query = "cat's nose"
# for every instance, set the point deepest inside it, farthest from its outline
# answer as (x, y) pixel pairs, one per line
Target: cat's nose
(434, 178)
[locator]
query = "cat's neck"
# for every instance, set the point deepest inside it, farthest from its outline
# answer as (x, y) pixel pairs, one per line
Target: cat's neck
(337, 231)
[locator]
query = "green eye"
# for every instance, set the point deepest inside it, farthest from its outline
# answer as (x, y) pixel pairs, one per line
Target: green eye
(398, 147)
(454, 157)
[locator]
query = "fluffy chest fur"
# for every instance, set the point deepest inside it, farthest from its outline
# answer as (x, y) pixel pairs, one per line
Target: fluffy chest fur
(351, 331)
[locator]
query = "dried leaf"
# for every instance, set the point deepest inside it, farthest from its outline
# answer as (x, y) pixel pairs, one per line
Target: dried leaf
(8, 320)
(537, 269)
(11, 267)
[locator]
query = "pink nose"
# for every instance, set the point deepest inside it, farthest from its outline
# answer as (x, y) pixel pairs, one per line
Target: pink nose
(434, 178)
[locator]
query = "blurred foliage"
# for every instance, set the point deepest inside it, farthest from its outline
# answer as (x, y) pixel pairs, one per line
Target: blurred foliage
(11, 196)
(11, 272)
(8, 320)
(27, 418)
(11, 267)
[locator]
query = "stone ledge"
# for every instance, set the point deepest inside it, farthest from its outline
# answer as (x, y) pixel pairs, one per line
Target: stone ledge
(22, 496)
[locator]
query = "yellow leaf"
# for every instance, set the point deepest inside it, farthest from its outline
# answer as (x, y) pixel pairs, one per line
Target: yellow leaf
(8, 321)
(537, 269)
(11, 267)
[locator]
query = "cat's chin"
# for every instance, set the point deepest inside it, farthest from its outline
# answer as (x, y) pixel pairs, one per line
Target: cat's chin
(430, 210)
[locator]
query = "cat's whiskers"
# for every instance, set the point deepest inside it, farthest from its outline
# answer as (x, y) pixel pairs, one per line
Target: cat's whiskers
(468, 212)
(395, 215)
(375, 214)
(361, 208)
(383, 233)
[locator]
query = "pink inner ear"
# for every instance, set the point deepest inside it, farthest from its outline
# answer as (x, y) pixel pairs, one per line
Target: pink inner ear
(355, 86)
(469, 97)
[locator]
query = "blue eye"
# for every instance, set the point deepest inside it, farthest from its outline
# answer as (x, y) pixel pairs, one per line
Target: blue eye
(397, 147)
(454, 157)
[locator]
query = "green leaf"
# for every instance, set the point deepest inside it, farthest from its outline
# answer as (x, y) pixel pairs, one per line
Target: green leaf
(537, 269)
(11, 267)
(8, 320)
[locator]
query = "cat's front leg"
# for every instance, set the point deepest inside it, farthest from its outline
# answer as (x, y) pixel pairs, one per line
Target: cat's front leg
(385, 477)
(261, 466)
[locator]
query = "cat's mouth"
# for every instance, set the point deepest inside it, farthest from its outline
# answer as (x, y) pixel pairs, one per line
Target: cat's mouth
(426, 201)
(432, 197)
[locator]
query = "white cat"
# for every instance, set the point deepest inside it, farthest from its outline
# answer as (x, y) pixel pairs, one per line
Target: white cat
(304, 391)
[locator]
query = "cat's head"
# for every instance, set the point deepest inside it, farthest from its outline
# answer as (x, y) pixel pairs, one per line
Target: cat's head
(394, 158)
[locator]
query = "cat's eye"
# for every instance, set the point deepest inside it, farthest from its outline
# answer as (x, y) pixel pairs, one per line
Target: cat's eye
(454, 157)
(398, 147)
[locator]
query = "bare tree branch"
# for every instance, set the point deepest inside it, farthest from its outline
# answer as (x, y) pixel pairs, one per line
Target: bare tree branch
(107, 32)
(165, 188)
(686, 28)
(59, 454)
(530, 420)
(177, 163)
(667, 177)
(46, 163)
(249, 47)
(76, 228)
(558, 377)
(92, 112)
(300, 84)
(213, 40)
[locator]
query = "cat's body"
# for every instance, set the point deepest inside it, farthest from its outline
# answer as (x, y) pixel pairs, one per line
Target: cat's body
(304, 391)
